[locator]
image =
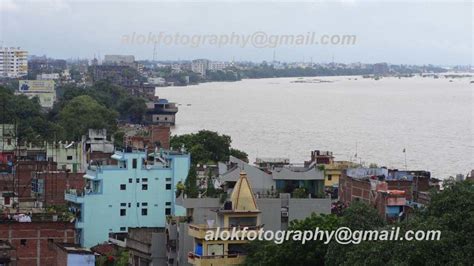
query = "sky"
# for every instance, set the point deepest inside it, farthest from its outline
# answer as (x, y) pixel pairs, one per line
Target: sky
(399, 32)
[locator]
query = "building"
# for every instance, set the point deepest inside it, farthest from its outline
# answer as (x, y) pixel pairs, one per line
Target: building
(333, 172)
(216, 66)
(45, 76)
(153, 136)
(276, 214)
(146, 91)
(381, 69)
(383, 188)
(122, 75)
(119, 60)
(8, 142)
(240, 211)
(161, 112)
(32, 243)
(332, 169)
(43, 89)
(270, 163)
(13, 62)
(146, 246)
(98, 147)
(139, 191)
(47, 187)
(200, 66)
(311, 179)
(157, 81)
(276, 180)
(68, 254)
(68, 155)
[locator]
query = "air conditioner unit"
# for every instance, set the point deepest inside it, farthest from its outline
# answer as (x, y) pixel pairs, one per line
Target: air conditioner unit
(284, 214)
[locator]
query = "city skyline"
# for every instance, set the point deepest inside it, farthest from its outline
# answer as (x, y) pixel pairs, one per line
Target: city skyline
(386, 32)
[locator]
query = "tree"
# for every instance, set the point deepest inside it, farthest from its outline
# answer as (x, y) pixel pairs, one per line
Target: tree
(239, 154)
(32, 124)
(82, 113)
(206, 146)
(359, 216)
(310, 253)
(300, 193)
(190, 186)
(451, 211)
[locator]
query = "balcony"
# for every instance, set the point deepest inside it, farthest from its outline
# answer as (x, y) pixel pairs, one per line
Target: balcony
(73, 195)
(199, 230)
(229, 259)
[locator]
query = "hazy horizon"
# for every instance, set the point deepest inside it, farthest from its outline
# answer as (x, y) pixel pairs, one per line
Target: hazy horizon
(420, 33)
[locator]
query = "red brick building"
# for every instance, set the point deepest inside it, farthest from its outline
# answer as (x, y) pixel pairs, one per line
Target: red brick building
(32, 242)
(24, 173)
(390, 191)
(157, 136)
(360, 187)
(51, 186)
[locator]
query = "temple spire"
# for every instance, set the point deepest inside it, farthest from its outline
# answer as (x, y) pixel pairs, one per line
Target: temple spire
(242, 196)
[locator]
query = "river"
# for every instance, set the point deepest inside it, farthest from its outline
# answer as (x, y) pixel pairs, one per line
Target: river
(432, 119)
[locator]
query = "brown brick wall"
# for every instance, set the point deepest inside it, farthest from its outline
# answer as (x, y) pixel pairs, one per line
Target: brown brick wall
(24, 173)
(37, 237)
(55, 183)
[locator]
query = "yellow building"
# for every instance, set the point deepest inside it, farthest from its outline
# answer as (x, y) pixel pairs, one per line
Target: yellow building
(333, 171)
(239, 217)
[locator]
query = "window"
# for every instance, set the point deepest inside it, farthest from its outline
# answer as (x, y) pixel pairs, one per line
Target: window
(329, 177)
(23, 242)
(129, 204)
(138, 180)
(166, 118)
(168, 211)
(123, 187)
(144, 187)
(144, 179)
(130, 180)
(168, 179)
(138, 204)
(123, 228)
(168, 186)
(69, 158)
(123, 204)
(144, 203)
(168, 203)
(134, 163)
(144, 212)
(123, 212)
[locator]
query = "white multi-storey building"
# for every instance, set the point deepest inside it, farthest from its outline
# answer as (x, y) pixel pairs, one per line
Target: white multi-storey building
(200, 66)
(13, 62)
(215, 66)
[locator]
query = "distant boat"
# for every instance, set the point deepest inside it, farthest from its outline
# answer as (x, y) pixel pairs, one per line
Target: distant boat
(188, 104)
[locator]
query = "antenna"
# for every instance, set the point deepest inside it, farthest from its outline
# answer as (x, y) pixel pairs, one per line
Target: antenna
(154, 51)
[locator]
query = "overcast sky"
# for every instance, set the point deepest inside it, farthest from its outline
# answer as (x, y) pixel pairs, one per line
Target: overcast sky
(395, 31)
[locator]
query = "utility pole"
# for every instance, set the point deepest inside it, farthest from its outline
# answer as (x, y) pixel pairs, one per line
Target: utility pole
(405, 153)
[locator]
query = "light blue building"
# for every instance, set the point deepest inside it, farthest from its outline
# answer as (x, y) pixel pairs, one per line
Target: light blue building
(137, 192)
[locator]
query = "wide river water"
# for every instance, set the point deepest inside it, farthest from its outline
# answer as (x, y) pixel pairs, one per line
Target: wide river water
(376, 119)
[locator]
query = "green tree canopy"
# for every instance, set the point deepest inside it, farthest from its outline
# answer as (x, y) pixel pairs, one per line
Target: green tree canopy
(206, 146)
(32, 124)
(83, 113)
